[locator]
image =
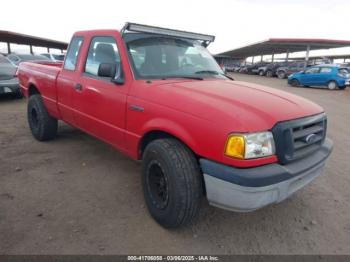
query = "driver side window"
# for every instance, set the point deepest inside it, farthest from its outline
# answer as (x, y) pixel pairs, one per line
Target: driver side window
(103, 49)
(313, 70)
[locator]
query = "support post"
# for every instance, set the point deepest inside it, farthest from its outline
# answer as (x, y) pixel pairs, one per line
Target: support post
(273, 57)
(253, 60)
(261, 58)
(287, 55)
(8, 48)
(307, 56)
(31, 49)
(48, 50)
(61, 51)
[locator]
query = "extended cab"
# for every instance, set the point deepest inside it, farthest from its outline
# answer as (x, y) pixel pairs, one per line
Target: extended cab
(159, 96)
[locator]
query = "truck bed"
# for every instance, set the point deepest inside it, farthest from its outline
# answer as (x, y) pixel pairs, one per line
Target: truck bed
(42, 74)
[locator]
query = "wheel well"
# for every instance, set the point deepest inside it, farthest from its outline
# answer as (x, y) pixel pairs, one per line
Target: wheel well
(33, 90)
(154, 135)
(151, 136)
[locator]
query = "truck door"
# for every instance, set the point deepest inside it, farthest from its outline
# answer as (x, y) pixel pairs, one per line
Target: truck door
(67, 79)
(100, 103)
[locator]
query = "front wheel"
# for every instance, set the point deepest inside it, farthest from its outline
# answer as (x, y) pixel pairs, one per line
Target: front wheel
(261, 73)
(294, 83)
(172, 183)
(281, 74)
(42, 125)
(332, 85)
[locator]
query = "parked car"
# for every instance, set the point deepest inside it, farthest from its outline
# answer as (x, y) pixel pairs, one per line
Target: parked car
(15, 59)
(262, 69)
(243, 69)
(54, 57)
(346, 65)
(238, 68)
(331, 76)
(231, 68)
(198, 133)
(8, 80)
(284, 71)
(254, 69)
(271, 69)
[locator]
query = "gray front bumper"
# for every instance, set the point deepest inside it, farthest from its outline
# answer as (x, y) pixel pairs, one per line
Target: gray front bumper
(262, 185)
(9, 86)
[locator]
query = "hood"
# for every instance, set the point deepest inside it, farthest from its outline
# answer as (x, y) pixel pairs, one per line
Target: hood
(7, 71)
(241, 106)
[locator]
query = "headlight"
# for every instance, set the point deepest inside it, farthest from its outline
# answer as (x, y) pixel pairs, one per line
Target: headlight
(252, 145)
(290, 76)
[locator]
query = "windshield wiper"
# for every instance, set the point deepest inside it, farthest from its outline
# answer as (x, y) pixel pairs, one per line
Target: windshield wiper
(187, 77)
(213, 72)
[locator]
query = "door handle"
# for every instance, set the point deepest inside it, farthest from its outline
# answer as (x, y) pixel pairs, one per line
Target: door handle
(78, 87)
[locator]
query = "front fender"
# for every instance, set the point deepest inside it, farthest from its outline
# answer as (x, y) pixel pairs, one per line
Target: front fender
(172, 128)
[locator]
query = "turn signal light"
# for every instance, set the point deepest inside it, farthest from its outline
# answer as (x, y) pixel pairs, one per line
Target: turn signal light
(235, 146)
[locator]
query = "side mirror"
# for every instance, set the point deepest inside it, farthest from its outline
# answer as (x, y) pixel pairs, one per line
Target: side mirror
(107, 70)
(111, 70)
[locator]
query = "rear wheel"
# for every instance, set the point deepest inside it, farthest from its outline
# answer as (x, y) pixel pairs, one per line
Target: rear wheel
(294, 83)
(261, 73)
(281, 74)
(42, 125)
(332, 85)
(172, 182)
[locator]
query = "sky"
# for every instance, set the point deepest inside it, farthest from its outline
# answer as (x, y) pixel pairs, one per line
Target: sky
(235, 23)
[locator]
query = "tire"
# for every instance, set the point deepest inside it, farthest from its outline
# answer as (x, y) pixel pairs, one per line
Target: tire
(332, 85)
(281, 74)
(294, 83)
(42, 125)
(261, 73)
(172, 183)
(341, 87)
(269, 73)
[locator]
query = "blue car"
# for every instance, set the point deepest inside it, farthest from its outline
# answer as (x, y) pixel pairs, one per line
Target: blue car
(331, 76)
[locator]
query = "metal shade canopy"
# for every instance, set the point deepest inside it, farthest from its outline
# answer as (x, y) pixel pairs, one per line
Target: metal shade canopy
(22, 39)
(284, 45)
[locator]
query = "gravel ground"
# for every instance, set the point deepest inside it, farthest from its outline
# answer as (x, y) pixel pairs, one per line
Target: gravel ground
(77, 195)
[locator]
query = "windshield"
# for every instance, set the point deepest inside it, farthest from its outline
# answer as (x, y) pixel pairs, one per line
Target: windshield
(161, 57)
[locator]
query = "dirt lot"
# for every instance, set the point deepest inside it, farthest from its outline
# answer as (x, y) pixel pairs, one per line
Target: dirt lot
(77, 195)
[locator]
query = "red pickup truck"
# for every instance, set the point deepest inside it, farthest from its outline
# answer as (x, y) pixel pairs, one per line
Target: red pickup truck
(158, 96)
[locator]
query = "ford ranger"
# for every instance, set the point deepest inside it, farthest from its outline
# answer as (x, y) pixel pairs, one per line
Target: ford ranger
(157, 95)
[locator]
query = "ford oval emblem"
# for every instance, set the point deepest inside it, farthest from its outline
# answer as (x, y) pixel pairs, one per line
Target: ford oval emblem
(310, 139)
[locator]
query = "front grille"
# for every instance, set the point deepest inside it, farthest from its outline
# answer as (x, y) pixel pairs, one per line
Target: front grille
(298, 138)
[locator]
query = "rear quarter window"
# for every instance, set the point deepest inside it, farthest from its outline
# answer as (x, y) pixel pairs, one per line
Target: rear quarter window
(326, 70)
(73, 51)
